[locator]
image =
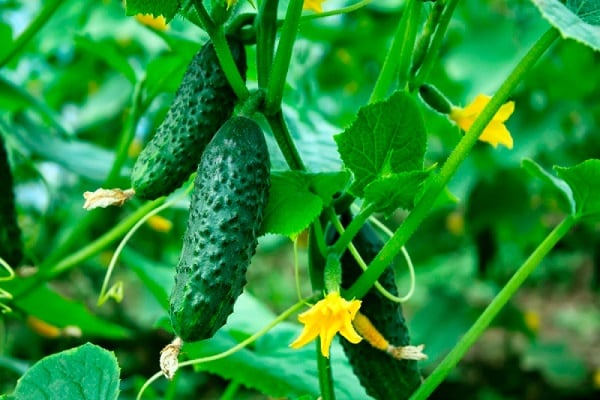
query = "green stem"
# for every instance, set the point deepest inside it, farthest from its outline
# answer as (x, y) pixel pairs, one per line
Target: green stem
(126, 136)
(319, 237)
(492, 310)
(325, 377)
(357, 222)
(231, 391)
(285, 141)
(241, 345)
(74, 259)
(32, 29)
(205, 20)
(281, 63)
(217, 36)
(435, 46)
(400, 52)
(266, 30)
(408, 44)
(437, 182)
(228, 64)
(425, 38)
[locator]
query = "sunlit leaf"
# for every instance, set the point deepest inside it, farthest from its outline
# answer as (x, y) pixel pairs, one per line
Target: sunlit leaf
(296, 198)
(61, 312)
(578, 20)
(584, 181)
(166, 8)
(87, 372)
(387, 137)
(395, 191)
(536, 170)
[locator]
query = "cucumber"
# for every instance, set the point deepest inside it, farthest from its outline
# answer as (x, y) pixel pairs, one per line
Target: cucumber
(226, 212)
(203, 102)
(382, 376)
(11, 244)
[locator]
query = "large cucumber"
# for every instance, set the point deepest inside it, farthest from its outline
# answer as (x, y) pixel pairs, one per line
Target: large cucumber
(203, 102)
(226, 212)
(11, 244)
(382, 376)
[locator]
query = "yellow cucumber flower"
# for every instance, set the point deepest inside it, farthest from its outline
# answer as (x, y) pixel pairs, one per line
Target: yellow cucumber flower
(314, 5)
(495, 132)
(329, 316)
(159, 23)
(159, 224)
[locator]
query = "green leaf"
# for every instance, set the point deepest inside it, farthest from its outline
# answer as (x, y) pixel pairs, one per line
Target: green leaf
(587, 10)
(387, 137)
(557, 363)
(395, 191)
(88, 160)
(166, 8)
(154, 275)
(49, 306)
(537, 171)
(578, 20)
(87, 372)
(296, 198)
(109, 52)
(273, 368)
(584, 181)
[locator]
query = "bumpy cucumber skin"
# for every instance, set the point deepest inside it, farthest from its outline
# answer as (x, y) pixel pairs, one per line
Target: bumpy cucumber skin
(203, 102)
(382, 376)
(11, 244)
(226, 212)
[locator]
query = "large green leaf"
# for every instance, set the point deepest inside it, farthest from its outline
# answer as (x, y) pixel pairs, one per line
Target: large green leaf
(166, 8)
(387, 137)
(83, 158)
(275, 369)
(395, 191)
(296, 198)
(87, 372)
(536, 170)
(557, 363)
(584, 181)
(49, 306)
(578, 19)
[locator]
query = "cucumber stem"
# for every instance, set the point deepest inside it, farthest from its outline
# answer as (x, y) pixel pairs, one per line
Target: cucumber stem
(266, 30)
(492, 310)
(32, 29)
(438, 182)
(281, 62)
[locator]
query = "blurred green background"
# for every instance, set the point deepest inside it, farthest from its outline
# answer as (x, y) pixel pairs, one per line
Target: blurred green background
(64, 103)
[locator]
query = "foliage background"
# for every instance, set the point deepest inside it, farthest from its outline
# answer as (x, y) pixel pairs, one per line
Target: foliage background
(65, 102)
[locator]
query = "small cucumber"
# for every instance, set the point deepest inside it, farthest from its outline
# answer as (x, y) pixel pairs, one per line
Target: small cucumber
(203, 102)
(226, 212)
(11, 244)
(382, 376)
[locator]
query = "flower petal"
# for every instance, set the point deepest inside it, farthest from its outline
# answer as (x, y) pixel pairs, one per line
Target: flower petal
(497, 133)
(350, 333)
(307, 335)
(477, 105)
(505, 111)
(325, 319)
(314, 5)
